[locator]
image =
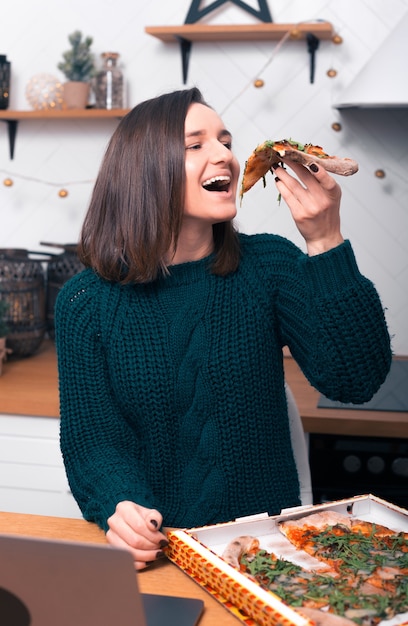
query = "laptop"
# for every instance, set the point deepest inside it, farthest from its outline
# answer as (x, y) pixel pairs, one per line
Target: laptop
(46, 582)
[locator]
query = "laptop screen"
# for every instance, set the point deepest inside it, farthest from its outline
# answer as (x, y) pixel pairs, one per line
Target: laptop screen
(48, 582)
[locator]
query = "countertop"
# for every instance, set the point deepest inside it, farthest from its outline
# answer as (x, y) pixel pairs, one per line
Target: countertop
(29, 386)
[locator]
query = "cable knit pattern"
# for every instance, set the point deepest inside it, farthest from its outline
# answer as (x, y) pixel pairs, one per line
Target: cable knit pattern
(172, 393)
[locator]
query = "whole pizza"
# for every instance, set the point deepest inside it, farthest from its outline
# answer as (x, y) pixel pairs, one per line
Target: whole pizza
(355, 572)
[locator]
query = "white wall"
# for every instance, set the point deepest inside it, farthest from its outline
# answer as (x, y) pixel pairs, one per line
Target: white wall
(67, 154)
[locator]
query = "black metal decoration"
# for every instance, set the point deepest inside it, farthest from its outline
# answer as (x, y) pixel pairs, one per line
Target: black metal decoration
(195, 14)
(312, 46)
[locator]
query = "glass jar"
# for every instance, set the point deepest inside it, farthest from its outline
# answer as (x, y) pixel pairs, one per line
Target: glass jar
(108, 85)
(4, 81)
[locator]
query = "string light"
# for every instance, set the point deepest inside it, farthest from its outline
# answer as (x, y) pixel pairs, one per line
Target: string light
(62, 193)
(379, 174)
(259, 83)
(294, 34)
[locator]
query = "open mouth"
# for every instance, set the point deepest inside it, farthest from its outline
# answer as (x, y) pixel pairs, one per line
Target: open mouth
(218, 183)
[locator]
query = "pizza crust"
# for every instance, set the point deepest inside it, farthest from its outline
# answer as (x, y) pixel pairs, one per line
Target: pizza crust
(239, 546)
(324, 618)
(320, 521)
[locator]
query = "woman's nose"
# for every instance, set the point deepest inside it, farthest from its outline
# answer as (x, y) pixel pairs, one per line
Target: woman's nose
(220, 152)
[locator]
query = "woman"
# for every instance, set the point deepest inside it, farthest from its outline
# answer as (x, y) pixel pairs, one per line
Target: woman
(173, 405)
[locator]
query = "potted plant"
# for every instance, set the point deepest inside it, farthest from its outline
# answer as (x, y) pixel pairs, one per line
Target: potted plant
(3, 332)
(78, 67)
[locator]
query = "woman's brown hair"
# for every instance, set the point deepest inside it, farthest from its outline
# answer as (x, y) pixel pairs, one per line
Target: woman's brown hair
(136, 209)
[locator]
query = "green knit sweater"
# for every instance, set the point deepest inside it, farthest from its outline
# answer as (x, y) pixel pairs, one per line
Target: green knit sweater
(172, 393)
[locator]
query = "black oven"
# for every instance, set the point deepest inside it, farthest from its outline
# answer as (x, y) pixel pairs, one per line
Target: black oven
(345, 466)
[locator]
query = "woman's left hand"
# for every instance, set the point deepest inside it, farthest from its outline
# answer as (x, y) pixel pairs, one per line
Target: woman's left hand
(314, 201)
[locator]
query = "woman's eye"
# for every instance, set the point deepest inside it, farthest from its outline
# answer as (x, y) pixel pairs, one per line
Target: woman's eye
(195, 146)
(228, 144)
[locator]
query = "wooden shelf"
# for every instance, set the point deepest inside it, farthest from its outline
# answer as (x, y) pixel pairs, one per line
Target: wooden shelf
(186, 34)
(12, 118)
(240, 32)
(63, 114)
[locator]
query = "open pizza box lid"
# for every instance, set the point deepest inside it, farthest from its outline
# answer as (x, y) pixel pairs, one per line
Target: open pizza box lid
(197, 551)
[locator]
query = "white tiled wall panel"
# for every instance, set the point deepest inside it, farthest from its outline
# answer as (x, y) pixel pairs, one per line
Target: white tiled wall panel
(375, 211)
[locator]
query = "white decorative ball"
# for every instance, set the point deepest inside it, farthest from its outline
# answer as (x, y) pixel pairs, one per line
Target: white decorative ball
(44, 91)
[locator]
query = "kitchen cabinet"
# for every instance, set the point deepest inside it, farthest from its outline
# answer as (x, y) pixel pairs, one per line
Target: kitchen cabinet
(32, 475)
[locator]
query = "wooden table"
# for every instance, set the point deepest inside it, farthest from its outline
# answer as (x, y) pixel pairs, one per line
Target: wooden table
(162, 577)
(30, 387)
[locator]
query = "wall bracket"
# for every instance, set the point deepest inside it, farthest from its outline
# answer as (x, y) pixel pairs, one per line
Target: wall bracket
(12, 126)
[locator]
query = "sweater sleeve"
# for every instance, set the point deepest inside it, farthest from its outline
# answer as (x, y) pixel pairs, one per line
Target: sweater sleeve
(96, 443)
(333, 322)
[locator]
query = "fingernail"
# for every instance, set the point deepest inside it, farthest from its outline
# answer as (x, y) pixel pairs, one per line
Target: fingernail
(160, 554)
(277, 179)
(154, 523)
(163, 543)
(275, 166)
(313, 167)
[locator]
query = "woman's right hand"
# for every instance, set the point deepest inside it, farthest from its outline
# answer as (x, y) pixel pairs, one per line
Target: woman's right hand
(137, 529)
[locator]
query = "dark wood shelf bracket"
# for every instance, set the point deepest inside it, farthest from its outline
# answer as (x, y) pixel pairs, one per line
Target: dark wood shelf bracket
(312, 45)
(185, 49)
(12, 126)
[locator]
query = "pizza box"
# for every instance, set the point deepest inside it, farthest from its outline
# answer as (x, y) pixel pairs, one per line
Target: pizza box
(197, 551)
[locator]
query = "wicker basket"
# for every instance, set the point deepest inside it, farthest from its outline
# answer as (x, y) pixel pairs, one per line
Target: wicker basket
(22, 286)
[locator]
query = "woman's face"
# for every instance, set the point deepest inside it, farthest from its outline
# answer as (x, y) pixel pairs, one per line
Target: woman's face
(212, 170)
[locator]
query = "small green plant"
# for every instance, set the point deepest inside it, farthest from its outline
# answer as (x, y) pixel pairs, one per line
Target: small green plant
(78, 63)
(4, 329)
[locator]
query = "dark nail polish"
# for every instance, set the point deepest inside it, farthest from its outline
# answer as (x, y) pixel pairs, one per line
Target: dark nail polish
(163, 543)
(313, 167)
(154, 523)
(160, 554)
(275, 166)
(277, 179)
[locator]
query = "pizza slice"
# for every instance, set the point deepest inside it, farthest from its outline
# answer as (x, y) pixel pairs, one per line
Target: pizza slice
(269, 153)
(307, 533)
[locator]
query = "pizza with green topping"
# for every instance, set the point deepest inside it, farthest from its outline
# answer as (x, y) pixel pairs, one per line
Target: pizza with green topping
(270, 153)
